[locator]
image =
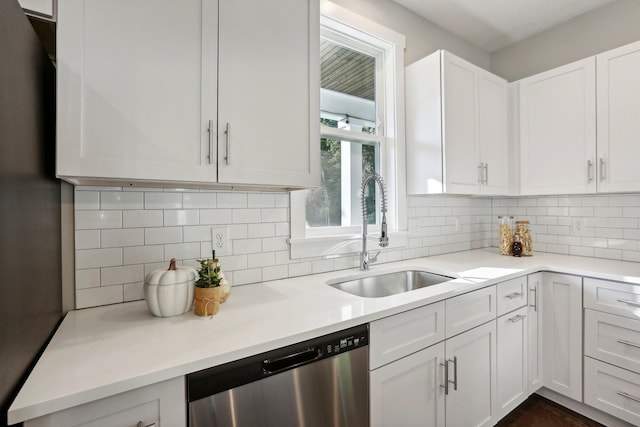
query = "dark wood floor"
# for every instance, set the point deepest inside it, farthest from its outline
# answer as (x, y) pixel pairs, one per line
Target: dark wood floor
(537, 411)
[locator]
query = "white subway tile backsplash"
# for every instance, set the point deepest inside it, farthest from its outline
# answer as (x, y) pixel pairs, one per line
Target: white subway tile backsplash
(163, 200)
(246, 216)
(216, 216)
(121, 237)
(92, 220)
(232, 200)
(199, 200)
(87, 200)
(92, 258)
(99, 296)
(87, 239)
(121, 200)
(143, 254)
(137, 239)
(176, 217)
(119, 275)
(133, 291)
(142, 218)
(89, 278)
(182, 251)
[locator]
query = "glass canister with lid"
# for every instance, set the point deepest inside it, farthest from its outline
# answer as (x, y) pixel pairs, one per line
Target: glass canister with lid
(522, 230)
(505, 236)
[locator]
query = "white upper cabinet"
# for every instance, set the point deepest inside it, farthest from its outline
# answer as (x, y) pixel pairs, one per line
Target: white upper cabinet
(456, 127)
(618, 124)
(139, 91)
(268, 96)
(41, 8)
(558, 130)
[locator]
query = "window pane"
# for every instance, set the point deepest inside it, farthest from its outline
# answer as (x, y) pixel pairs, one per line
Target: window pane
(347, 94)
(337, 202)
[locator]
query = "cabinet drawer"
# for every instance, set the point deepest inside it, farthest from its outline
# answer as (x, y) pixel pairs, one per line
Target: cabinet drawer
(612, 339)
(162, 404)
(613, 390)
(470, 310)
(397, 336)
(612, 297)
(511, 295)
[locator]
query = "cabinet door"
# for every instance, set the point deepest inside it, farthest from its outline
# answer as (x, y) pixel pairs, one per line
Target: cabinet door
(493, 133)
(534, 325)
(131, 99)
(268, 96)
(460, 104)
(158, 405)
(562, 334)
(558, 130)
(512, 348)
(472, 369)
(469, 310)
(408, 392)
(618, 124)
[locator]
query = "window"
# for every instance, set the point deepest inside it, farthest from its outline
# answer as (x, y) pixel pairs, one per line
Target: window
(361, 126)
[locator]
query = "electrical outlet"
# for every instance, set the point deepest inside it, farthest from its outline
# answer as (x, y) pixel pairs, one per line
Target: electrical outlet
(220, 240)
(579, 226)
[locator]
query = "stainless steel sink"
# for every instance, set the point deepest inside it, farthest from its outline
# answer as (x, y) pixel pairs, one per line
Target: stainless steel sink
(390, 284)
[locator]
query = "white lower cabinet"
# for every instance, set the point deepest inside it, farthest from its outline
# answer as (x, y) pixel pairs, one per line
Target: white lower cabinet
(157, 405)
(562, 334)
(471, 361)
(534, 325)
(512, 348)
(612, 390)
(408, 391)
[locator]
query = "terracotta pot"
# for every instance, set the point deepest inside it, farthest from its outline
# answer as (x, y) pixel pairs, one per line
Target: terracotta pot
(207, 300)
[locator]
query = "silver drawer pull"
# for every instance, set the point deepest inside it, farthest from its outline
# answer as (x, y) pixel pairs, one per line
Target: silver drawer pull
(515, 295)
(446, 377)
(630, 302)
(629, 343)
(517, 318)
(629, 396)
(142, 424)
(535, 299)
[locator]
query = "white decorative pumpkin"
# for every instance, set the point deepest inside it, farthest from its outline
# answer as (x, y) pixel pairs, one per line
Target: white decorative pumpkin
(170, 292)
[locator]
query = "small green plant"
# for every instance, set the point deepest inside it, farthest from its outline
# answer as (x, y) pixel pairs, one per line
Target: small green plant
(209, 274)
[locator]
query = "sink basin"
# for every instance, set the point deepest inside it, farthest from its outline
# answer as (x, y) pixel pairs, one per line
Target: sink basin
(384, 285)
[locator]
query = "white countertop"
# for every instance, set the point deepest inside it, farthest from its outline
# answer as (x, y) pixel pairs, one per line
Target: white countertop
(103, 351)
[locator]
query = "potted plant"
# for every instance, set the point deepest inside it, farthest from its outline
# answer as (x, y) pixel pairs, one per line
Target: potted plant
(211, 288)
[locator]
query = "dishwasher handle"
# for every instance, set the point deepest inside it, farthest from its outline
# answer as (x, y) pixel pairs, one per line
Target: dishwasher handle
(279, 364)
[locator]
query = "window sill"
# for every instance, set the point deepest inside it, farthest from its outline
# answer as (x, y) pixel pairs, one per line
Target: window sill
(330, 246)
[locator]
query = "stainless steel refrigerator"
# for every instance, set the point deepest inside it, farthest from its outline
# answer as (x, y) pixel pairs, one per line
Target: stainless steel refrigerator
(30, 254)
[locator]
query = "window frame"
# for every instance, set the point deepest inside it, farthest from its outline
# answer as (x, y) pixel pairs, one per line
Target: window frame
(339, 24)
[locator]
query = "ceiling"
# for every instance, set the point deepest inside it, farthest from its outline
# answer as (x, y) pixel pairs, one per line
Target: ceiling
(347, 71)
(494, 24)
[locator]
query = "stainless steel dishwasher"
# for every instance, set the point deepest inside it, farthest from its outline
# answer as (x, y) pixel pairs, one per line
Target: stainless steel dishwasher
(321, 382)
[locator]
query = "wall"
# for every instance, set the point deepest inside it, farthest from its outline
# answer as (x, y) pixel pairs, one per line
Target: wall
(610, 26)
(610, 224)
(423, 37)
(123, 234)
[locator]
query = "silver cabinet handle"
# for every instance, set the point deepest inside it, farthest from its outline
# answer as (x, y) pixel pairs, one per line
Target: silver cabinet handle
(629, 343)
(517, 318)
(211, 137)
(142, 424)
(603, 175)
(515, 295)
(446, 377)
(486, 173)
(629, 396)
(455, 372)
(227, 132)
(629, 302)
(589, 171)
(535, 299)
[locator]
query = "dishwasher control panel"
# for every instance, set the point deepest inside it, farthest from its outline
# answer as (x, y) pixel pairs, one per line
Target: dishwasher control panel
(346, 343)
